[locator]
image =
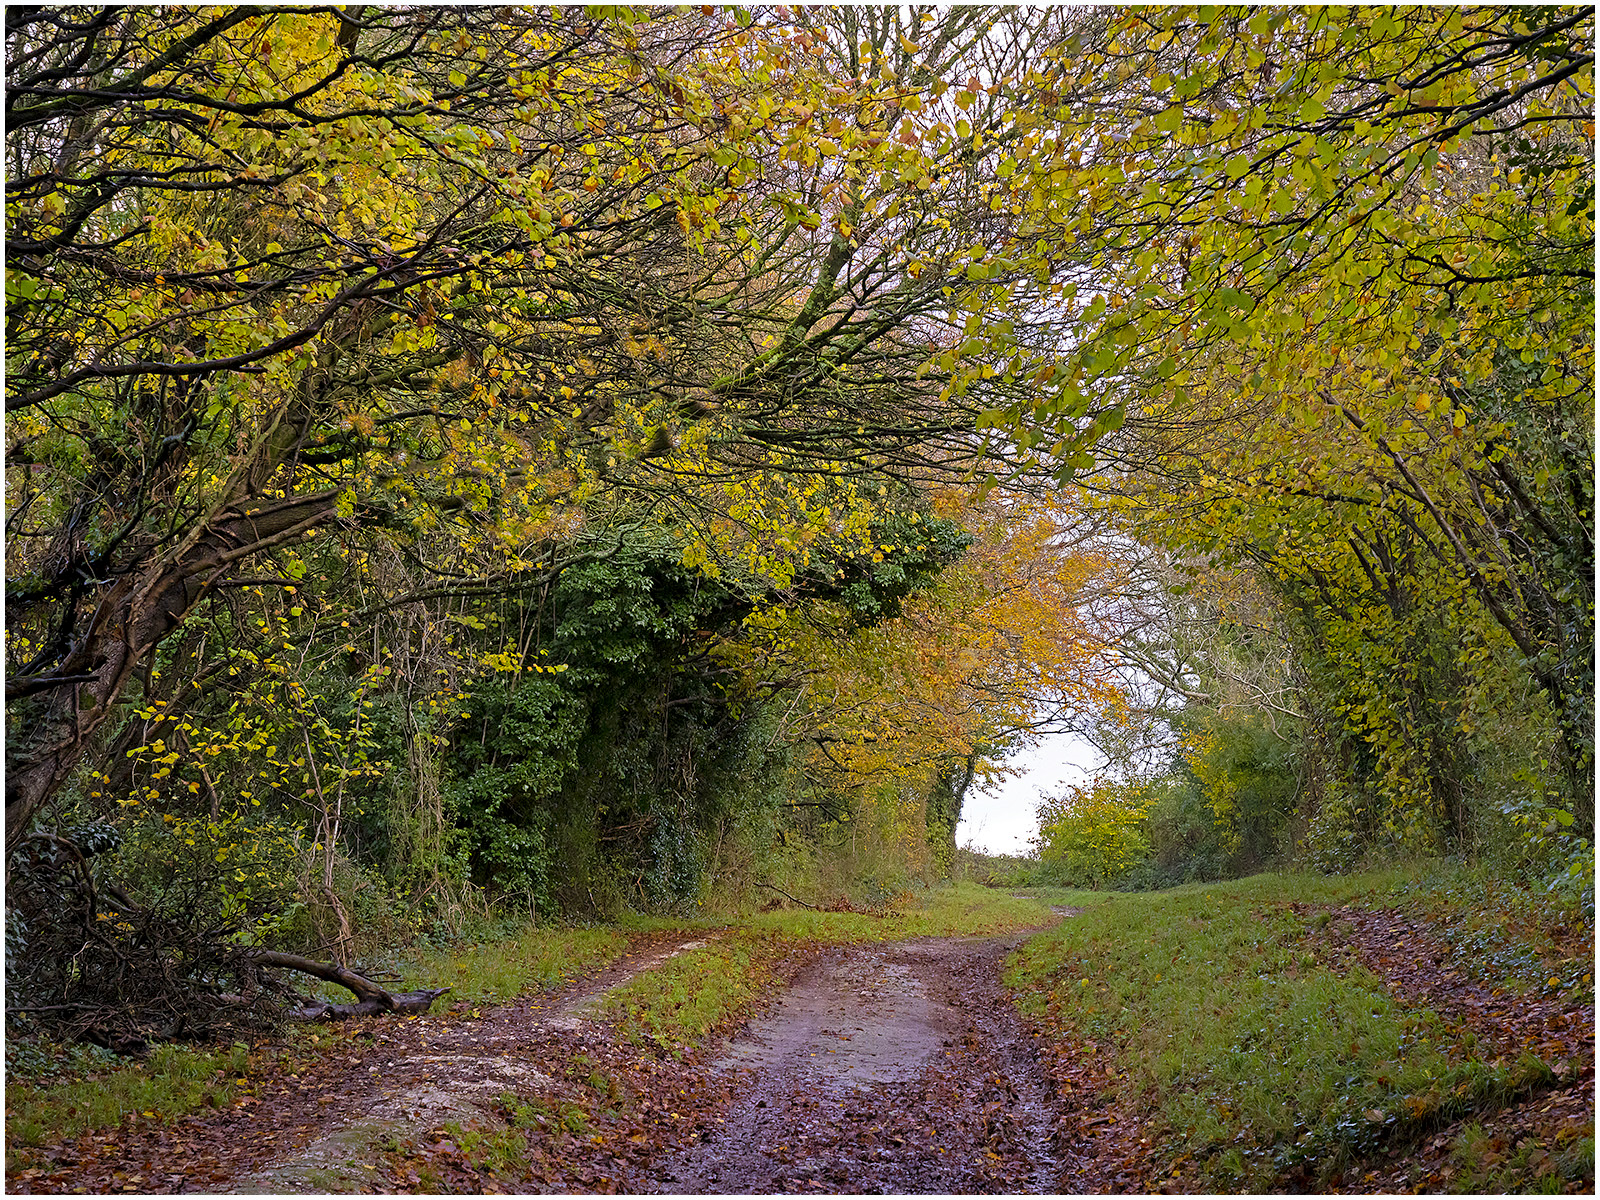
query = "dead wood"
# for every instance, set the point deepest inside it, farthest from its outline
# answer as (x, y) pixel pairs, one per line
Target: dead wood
(91, 963)
(796, 899)
(371, 999)
(402, 1002)
(363, 988)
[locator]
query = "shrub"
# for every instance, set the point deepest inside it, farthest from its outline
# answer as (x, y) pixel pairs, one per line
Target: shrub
(1096, 834)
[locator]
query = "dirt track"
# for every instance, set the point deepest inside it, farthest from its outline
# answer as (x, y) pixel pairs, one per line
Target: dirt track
(448, 1076)
(890, 1068)
(897, 1068)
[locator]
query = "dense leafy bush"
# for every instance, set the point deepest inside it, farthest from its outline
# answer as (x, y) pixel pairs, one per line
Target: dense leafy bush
(1093, 835)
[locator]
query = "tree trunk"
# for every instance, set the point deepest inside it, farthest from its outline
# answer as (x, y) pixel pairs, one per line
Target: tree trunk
(53, 715)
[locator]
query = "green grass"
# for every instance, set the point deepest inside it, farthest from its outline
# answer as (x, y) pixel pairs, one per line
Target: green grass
(701, 991)
(961, 909)
(173, 1082)
(538, 1113)
(498, 1151)
(1249, 1056)
(695, 993)
(538, 958)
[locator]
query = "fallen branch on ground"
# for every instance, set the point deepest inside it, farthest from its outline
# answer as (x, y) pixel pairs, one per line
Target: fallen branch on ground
(103, 966)
(371, 999)
(796, 899)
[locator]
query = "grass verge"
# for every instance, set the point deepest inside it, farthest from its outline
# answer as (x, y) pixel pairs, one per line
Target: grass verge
(1245, 1056)
(173, 1082)
(538, 958)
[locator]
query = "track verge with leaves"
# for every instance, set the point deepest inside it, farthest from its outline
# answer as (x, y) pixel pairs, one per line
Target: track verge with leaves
(1333, 1034)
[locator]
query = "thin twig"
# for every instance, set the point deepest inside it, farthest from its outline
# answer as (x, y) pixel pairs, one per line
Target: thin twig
(796, 899)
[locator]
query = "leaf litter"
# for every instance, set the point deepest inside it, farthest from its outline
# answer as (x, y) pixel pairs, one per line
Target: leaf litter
(1540, 1137)
(978, 1104)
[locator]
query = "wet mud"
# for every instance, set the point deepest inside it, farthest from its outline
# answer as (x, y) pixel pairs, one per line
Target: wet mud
(898, 1068)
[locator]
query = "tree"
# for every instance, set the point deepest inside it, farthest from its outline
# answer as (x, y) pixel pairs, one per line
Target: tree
(196, 278)
(1094, 835)
(419, 320)
(470, 270)
(996, 649)
(1346, 312)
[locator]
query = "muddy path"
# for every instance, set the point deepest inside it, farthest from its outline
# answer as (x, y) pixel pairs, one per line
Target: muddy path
(338, 1117)
(448, 1073)
(898, 1068)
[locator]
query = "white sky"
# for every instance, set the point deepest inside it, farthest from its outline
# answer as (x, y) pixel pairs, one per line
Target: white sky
(1003, 820)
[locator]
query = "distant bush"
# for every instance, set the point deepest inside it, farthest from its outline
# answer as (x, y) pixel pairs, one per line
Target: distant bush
(1090, 837)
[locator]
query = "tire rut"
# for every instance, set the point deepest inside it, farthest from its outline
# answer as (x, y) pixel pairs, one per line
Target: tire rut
(898, 1068)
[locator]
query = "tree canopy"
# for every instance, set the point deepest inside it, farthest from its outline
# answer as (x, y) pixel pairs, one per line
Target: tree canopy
(578, 454)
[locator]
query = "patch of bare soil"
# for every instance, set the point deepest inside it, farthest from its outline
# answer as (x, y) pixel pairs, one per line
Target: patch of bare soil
(893, 1069)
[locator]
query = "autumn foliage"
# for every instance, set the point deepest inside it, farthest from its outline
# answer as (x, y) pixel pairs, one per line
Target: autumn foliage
(572, 459)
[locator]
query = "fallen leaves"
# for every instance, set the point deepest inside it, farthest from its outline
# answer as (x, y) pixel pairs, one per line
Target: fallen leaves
(1527, 1143)
(1495, 1019)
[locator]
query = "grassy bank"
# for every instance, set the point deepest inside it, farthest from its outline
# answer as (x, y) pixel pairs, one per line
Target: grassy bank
(1227, 1021)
